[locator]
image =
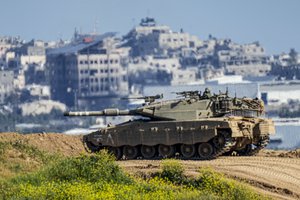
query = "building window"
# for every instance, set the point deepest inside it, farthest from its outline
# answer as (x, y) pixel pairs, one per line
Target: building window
(85, 62)
(105, 61)
(81, 71)
(96, 62)
(116, 61)
(92, 62)
(101, 61)
(106, 71)
(111, 70)
(101, 70)
(111, 61)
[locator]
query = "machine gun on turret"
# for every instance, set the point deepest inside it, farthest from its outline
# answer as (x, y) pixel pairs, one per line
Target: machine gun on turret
(188, 94)
(148, 99)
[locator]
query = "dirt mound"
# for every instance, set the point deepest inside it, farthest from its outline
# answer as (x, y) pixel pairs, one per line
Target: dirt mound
(280, 153)
(49, 142)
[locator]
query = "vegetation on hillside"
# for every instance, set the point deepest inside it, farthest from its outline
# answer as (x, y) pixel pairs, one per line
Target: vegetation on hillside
(98, 176)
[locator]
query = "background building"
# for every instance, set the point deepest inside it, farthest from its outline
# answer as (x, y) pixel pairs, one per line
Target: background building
(6, 84)
(90, 70)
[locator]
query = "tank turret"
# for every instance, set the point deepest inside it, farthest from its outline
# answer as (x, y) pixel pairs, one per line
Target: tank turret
(191, 106)
(195, 125)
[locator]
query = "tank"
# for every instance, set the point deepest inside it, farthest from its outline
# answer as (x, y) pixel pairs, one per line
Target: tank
(192, 126)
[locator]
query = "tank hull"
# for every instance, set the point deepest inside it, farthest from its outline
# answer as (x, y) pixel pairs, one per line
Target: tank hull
(190, 139)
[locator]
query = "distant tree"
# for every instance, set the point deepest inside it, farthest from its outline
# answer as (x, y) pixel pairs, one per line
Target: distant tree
(293, 57)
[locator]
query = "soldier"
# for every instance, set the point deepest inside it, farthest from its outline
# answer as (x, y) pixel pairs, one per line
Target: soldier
(206, 94)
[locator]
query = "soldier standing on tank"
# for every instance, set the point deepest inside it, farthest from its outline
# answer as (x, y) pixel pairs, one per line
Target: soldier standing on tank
(206, 94)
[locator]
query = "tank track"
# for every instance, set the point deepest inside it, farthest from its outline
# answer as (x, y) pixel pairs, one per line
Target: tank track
(88, 146)
(229, 143)
(217, 151)
(252, 149)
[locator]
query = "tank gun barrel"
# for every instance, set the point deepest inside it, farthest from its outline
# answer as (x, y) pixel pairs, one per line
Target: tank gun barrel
(105, 112)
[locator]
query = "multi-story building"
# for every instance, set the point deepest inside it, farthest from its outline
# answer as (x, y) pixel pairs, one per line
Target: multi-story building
(90, 69)
(151, 39)
(7, 43)
(286, 66)
(6, 84)
(245, 60)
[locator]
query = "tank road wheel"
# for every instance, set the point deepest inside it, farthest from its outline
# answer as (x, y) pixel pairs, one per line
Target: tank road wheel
(130, 152)
(166, 151)
(187, 150)
(116, 151)
(222, 143)
(205, 151)
(148, 151)
(219, 141)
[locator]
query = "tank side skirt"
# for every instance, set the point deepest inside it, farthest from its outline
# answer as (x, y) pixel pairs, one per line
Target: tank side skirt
(168, 133)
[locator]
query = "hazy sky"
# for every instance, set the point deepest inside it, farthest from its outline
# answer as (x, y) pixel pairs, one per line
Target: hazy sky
(274, 23)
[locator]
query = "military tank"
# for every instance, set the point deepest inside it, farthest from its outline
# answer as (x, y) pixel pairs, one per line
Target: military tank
(193, 126)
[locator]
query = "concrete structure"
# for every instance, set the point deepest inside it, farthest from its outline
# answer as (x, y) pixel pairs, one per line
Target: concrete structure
(227, 79)
(41, 107)
(6, 85)
(7, 43)
(87, 70)
(230, 57)
(40, 91)
(280, 92)
(245, 60)
(151, 70)
(286, 66)
(151, 39)
(184, 76)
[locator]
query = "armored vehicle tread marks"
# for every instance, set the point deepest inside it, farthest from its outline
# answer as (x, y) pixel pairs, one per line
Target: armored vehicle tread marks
(194, 126)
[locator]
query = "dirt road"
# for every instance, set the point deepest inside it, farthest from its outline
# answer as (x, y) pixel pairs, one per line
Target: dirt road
(276, 176)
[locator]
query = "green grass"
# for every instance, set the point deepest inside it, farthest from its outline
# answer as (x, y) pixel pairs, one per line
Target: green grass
(98, 176)
(18, 157)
